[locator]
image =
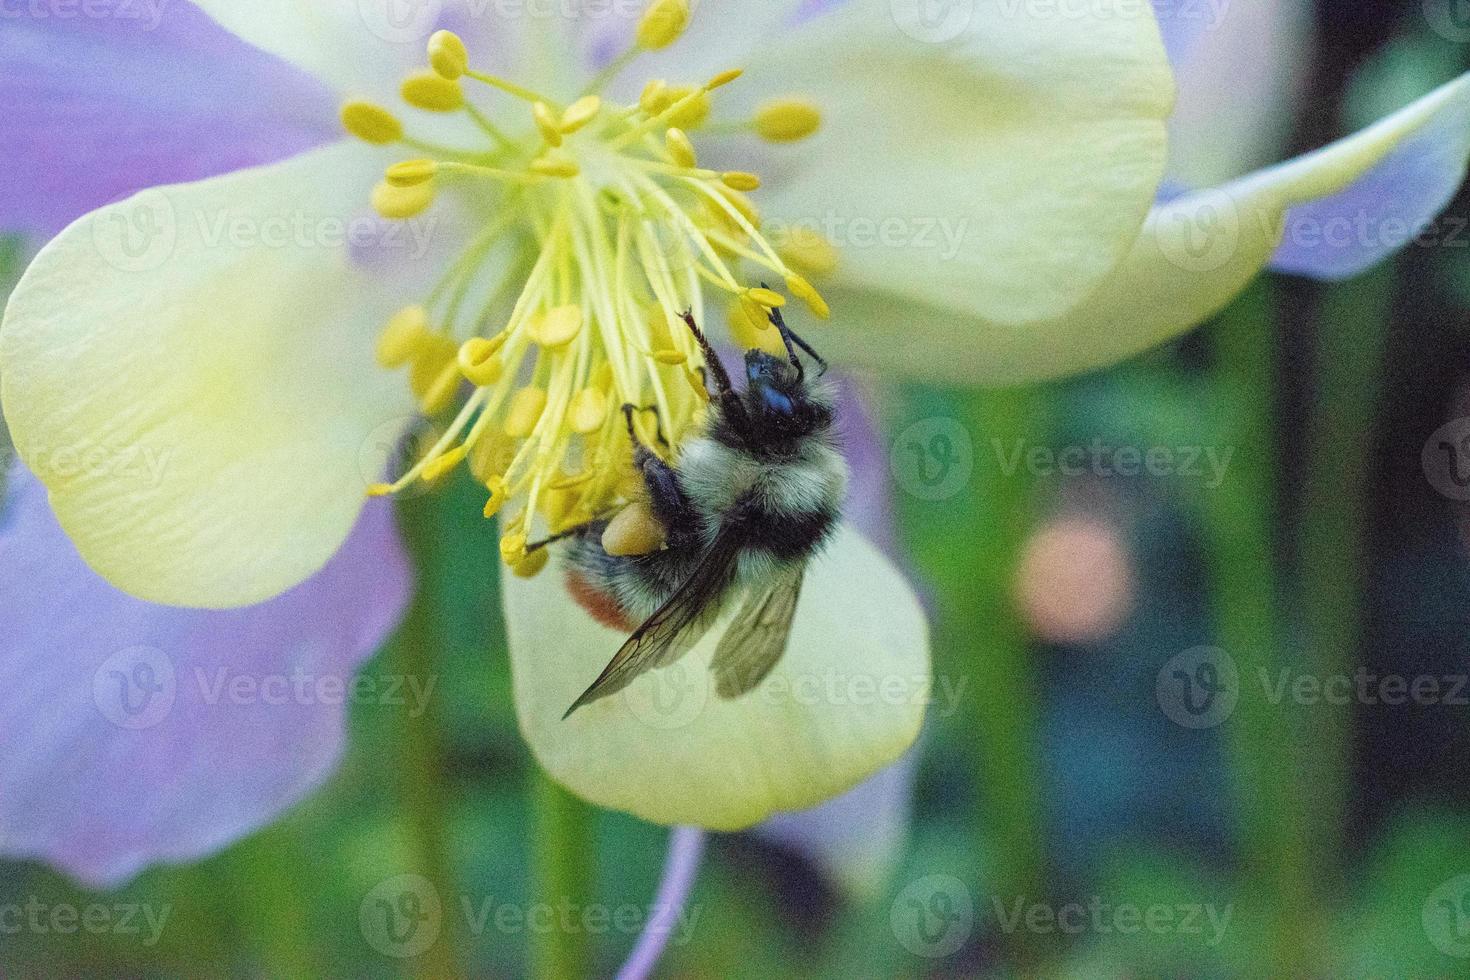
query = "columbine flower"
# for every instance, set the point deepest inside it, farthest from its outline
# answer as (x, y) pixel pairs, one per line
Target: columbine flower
(970, 204)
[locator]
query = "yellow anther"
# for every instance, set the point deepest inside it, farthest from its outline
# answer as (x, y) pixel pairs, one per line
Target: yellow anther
(441, 391)
(671, 357)
(680, 148)
(552, 165)
(787, 120)
(371, 123)
(513, 548)
(737, 181)
(532, 565)
(404, 337)
(808, 250)
(697, 383)
(808, 294)
(655, 97)
(490, 457)
(478, 363)
(526, 407)
(557, 504)
(556, 328)
(751, 329)
(662, 24)
(768, 298)
(380, 490)
(723, 78)
(695, 109)
(398, 203)
(441, 466)
(580, 113)
(499, 494)
(448, 55)
(588, 411)
(411, 173)
(547, 123)
(428, 90)
(634, 531)
(602, 378)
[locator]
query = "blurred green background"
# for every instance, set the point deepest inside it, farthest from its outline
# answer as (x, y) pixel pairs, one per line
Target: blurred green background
(1065, 821)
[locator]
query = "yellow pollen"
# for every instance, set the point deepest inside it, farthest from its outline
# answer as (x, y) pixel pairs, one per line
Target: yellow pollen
(787, 120)
(737, 181)
(662, 24)
(397, 203)
(768, 298)
(751, 329)
(547, 123)
(371, 123)
(680, 148)
(532, 565)
(410, 173)
(580, 113)
(478, 361)
(809, 251)
(433, 92)
(443, 465)
(404, 337)
(808, 294)
(525, 411)
(447, 55)
(557, 328)
(655, 98)
(600, 233)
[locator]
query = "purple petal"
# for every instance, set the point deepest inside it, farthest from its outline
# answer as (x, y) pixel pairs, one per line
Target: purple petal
(1182, 25)
(869, 494)
(1389, 207)
(135, 733)
(686, 849)
(857, 838)
(94, 108)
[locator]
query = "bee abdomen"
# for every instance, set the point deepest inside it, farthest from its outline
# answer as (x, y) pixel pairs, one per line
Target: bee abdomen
(784, 535)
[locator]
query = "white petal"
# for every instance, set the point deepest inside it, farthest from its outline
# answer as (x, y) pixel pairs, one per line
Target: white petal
(190, 372)
(999, 161)
(1193, 256)
(846, 700)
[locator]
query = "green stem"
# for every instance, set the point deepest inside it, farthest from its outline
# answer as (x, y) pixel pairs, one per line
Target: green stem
(1002, 695)
(1239, 522)
(1333, 537)
(425, 797)
(564, 878)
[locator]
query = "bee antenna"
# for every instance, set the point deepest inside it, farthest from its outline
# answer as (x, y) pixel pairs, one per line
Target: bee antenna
(793, 342)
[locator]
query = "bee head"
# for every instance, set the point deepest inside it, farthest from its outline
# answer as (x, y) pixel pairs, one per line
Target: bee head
(779, 402)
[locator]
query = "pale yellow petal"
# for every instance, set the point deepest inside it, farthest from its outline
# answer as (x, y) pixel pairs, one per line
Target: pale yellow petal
(191, 373)
(1193, 256)
(997, 161)
(847, 699)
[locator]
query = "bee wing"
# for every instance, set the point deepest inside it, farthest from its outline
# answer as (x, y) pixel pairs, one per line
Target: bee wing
(757, 637)
(673, 630)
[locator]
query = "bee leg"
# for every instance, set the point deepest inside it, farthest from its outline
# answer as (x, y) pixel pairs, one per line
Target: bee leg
(792, 341)
(729, 400)
(570, 532)
(628, 411)
(666, 498)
